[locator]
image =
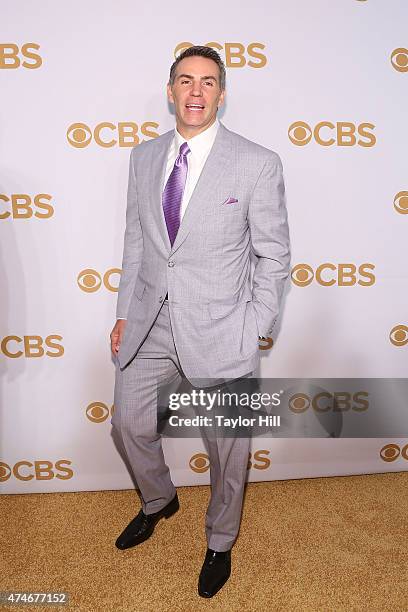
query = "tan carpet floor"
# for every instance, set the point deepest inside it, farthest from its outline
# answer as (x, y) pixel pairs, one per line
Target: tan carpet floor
(323, 544)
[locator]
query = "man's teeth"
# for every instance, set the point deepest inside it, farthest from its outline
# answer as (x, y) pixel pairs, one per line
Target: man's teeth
(194, 106)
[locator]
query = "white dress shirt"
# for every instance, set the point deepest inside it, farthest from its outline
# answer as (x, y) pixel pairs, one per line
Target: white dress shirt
(200, 147)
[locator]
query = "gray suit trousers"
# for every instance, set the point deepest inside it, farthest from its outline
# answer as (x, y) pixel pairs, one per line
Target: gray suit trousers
(135, 420)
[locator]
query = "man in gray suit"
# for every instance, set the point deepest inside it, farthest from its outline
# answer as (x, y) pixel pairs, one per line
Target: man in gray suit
(202, 201)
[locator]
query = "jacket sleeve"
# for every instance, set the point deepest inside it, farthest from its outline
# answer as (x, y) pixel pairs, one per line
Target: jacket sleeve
(270, 243)
(132, 248)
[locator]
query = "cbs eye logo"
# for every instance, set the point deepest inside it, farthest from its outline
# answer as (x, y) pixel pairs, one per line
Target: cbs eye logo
(106, 134)
(89, 280)
(401, 202)
(235, 53)
(339, 401)
(11, 56)
(32, 346)
(327, 274)
(24, 206)
(98, 412)
(391, 452)
(199, 463)
(259, 460)
(399, 335)
(326, 134)
(399, 59)
(36, 470)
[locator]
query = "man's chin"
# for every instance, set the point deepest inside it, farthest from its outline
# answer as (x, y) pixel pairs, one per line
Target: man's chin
(197, 123)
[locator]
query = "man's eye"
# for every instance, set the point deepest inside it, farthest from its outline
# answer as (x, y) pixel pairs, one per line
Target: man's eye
(209, 83)
(184, 81)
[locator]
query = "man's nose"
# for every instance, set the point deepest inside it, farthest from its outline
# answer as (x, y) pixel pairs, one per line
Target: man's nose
(196, 89)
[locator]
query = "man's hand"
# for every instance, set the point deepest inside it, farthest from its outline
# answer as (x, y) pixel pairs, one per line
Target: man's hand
(116, 335)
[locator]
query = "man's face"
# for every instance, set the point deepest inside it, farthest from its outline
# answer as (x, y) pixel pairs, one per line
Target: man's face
(196, 94)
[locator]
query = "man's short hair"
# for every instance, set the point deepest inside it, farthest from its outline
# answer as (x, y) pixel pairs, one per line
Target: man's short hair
(208, 52)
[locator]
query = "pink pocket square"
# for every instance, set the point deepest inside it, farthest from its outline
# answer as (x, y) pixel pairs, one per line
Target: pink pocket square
(230, 201)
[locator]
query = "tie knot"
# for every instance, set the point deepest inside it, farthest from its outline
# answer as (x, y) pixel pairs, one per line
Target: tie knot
(184, 149)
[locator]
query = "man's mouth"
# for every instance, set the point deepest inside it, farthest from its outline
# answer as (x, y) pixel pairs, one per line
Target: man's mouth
(195, 107)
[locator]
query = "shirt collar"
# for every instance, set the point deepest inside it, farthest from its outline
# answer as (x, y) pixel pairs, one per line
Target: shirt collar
(201, 144)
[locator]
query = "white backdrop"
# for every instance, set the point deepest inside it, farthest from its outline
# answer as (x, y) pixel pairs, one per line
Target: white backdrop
(340, 67)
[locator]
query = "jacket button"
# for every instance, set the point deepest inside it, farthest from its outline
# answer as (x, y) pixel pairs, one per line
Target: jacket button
(171, 264)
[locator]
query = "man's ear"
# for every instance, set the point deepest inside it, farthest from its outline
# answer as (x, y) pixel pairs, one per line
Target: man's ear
(170, 94)
(222, 98)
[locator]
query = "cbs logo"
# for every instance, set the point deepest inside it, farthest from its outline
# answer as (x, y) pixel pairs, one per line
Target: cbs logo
(106, 134)
(399, 59)
(327, 274)
(391, 452)
(89, 280)
(32, 346)
(259, 460)
(399, 335)
(13, 57)
(339, 401)
(236, 54)
(24, 206)
(401, 202)
(326, 134)
(98, 412)
(199, 463)
(38, 470)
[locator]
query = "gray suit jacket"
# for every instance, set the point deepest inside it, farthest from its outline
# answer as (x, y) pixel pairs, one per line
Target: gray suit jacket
(216, 311)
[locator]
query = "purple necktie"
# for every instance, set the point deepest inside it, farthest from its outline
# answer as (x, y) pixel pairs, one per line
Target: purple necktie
(173, 192)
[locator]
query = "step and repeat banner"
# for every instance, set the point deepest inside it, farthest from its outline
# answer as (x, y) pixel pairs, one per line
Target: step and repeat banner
(322, 83)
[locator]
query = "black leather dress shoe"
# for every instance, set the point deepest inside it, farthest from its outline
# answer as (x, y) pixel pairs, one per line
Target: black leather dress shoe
(215, 572)
(142, 526)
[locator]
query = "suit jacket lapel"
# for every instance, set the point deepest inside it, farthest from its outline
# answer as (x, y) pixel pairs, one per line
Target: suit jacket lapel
(214, 168)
